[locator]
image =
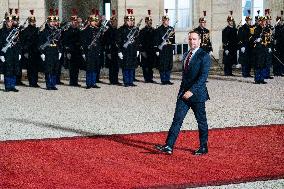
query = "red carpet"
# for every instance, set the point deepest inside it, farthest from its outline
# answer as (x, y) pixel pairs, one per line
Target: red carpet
(129, 161)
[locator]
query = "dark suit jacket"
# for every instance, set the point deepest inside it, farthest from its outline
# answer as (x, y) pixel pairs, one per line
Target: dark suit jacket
(194, 79)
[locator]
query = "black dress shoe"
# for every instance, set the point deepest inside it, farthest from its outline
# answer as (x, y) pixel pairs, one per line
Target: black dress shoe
(257, 82)
(12, 89)
(270, 77)
(201, 151)
(263, 82)
(136, 80)
(95, 86)
(19, 83)
(35, 86)
(98, 81)
(164, 83)
(170, 83)
(54, 88)
(126, 85)
(132, 85)
(88, 87)
(164, 149)
(75, 85)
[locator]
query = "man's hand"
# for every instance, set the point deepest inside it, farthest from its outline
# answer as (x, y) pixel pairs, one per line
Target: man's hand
(120, 55)
(26, 55)
(226, 52)
(243, 49)
(187, 95)
(20, 56)
(68, 55)
(157, 53)
(42, 57)
(84, 56)
(2, 58)
(59, 56)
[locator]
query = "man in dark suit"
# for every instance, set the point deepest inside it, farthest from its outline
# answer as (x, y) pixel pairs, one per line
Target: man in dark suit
(192, 94)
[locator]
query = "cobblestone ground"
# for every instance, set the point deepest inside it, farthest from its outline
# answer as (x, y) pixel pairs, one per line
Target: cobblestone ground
(72, 111)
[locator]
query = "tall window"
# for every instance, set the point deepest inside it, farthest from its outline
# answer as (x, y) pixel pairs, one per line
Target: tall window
(253, 6)
(181, 11)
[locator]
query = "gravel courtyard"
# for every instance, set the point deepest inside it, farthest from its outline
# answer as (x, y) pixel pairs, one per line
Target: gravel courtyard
(36, 113)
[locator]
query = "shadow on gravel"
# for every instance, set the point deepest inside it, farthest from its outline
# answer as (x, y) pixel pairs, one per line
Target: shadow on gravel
(124, 139)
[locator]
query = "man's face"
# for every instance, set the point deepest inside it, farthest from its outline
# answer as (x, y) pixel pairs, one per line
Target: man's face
(248, 22)
(166, 22)
(74, 23)
(94, 23)
(9, 23)
(202, 24)
(52, 23)
(114, 22)
(129, 23)
(194, 40)
(231, 23)
(33, 23)
(149, 23)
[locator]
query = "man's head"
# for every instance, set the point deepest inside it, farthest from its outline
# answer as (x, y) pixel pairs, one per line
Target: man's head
(194, 39)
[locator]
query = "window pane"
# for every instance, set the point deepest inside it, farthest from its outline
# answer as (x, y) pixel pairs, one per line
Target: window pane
(172, 16)
(183, 4)
(170, 4)
(183, 18)
(258, 3)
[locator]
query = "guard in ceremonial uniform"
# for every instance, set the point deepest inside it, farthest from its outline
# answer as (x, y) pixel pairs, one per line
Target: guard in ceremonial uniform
(10, 55)
(72, 52)
(278, 68)
(92, 49)
(230, 45)
(111, 50)
(164, 40)
(127, 49)
(61, 59)
(146, 44)
(259, 51)
(245, 46)
(205, 35)
(29, 38)
(16, 22)
(51, 53)
(268, 45)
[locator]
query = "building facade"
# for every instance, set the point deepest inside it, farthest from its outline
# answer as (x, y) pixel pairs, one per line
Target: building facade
(186, 12)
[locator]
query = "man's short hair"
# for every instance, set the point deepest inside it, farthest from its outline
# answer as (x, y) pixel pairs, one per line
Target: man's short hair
(192, 31)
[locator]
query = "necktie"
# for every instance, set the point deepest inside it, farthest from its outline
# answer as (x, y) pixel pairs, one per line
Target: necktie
(187, 61)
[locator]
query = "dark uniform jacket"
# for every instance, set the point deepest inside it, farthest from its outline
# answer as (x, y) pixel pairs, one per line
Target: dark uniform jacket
(71, 41)
(51, 52)
(166, 54)
(111, 47)
(230, 43)
(146, 45)
(93, 52)
(205, 39)
(259, 48)
(29, 37)
(130, 53)
(11, 66)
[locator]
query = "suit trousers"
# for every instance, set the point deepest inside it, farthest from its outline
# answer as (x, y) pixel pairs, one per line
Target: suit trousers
(182, 107)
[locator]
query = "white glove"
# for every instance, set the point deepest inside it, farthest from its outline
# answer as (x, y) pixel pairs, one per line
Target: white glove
(109, 56)
(158, 53)
(68, 56)
(120, 55)
(26, 55)
(144, 54)
(243, 49)
(226, 52)
(258, 40)
(20, 56)
(42, 57)
(210, 53)
(2, 58)
(269, 50)
(84, 56)
(59, 56)
(138, 53)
